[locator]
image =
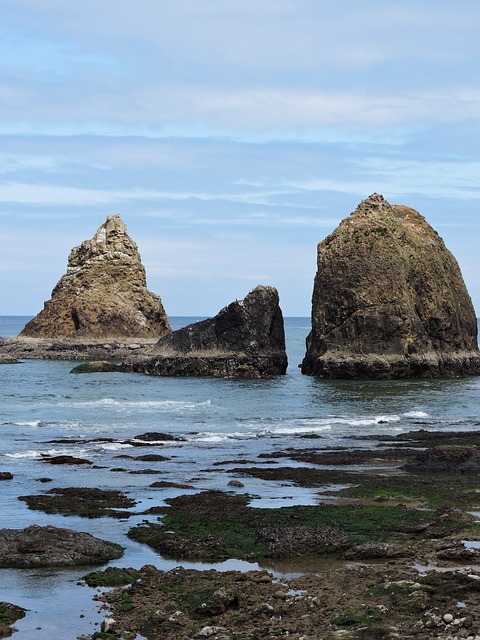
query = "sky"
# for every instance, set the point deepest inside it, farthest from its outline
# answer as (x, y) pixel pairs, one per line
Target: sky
(231, 136)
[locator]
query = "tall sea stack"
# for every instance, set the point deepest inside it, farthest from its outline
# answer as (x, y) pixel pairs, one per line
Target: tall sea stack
(103, 294)
(389, 301)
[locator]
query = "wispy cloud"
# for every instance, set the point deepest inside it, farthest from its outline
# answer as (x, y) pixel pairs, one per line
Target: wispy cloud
(228, 113)
(238, 133)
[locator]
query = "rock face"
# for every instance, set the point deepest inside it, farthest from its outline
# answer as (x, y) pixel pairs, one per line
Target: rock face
(389, 300)
(53, 547)
(103, 294)
(245, 340)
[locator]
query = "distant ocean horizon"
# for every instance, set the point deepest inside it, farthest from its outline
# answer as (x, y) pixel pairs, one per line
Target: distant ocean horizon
(11, 325)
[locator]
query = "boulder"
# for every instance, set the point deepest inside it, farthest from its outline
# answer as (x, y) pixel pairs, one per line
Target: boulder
(447, 458)
(96, 366)
(246, 339)
(103, 293)
(389, 300)
(49, 546)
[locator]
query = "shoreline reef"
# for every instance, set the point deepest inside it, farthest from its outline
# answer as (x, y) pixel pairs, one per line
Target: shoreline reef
(383, 557)
(391, 549)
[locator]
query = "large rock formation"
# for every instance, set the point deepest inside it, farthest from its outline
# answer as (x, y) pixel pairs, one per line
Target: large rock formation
(389, 300)
(103, 294)
(245, 340)
(49, 546)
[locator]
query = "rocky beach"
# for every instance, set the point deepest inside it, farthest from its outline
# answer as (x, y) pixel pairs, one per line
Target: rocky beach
(369, 534)
(390, 549)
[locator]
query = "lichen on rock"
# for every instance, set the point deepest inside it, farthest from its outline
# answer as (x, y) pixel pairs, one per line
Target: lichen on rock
(103, 294)
(389, 300)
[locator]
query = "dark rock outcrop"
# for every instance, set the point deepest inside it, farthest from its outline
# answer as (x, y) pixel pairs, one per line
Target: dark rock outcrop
(389, 301)
(446, 458)
(103, 293)
(49, 546)
(96, 366)
(88, 502)
(245, 340)
(9, 614)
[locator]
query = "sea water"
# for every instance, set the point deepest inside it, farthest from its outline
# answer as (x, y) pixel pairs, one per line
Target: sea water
(221, 422)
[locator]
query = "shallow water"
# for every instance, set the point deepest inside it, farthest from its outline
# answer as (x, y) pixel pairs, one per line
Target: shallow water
(223, 422)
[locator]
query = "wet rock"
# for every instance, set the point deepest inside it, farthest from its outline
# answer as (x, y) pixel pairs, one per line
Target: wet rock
(9, 614)
(6, 475)
(246, 339)
(447, 458)
(103, 293)
(378, 550)
(49, 546)
(63, 459)
(156, 436)
(164, 484)
(96, 366)
(84, 501)
(287, 542)
(236, 483)
(389, 301)
(148, 457)
(111, 577)
(367, 601)
(218, 603)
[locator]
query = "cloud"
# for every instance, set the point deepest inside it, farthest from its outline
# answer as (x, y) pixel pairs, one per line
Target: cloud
(231, 129)
(162, 110)
(56, 194)
(279, 67)
(448, 179)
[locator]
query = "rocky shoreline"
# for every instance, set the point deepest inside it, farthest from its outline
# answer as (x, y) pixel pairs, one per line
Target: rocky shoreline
(394, 534)
(382, 555)
(26, 348)
(246, 339)
(368, 602)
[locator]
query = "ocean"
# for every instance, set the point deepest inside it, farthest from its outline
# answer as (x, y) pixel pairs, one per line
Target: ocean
(220, 421)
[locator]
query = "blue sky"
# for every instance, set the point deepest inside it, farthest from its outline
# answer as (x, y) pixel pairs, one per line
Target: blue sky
(232, 136)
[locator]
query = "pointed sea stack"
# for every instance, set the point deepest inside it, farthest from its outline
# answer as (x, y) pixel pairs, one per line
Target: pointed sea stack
(389, 301)
(104, 293)
(246, 339)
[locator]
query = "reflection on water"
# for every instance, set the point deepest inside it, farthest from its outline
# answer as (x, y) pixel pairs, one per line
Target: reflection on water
(54, 602)
(294, 567)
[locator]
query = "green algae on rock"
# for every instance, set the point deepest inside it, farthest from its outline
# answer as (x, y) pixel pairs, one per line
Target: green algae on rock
(88, 502)
(217, 525)
(9, 613)
(389, 301)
